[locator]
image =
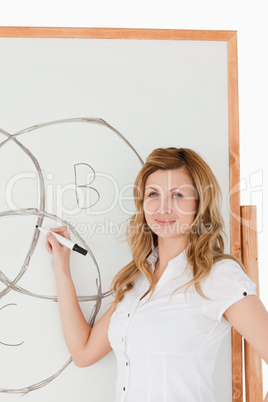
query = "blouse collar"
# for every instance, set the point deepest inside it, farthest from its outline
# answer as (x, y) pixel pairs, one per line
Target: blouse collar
(179, 260)
(175, 268)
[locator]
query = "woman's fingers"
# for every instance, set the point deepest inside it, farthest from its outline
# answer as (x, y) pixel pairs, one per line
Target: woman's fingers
(62, 231)
(48, 246)
(52, 244)
(55, 245)
(60, 253)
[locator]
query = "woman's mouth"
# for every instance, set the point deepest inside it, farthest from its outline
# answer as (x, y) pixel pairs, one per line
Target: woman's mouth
(164, 222)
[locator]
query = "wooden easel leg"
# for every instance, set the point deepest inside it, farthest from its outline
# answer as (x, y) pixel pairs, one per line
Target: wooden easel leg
(253, 362)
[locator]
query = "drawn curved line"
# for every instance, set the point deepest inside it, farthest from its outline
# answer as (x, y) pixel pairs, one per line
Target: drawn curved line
(93, 120)
(83, 163)
(85, 186)
(11, 284)
(33, 387)
(34, 211)
(40, 212)
(42, 186)
(6, 281)
(10, 304)
(41, 208)
(90, 206)
(9, 344)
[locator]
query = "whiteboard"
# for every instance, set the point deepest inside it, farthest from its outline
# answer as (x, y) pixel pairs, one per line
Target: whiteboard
(78, 119)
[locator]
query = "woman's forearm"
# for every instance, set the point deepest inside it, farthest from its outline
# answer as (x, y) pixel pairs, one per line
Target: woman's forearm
(76, 330)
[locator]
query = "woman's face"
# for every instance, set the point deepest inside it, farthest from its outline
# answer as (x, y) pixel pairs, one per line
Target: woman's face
(170, 202)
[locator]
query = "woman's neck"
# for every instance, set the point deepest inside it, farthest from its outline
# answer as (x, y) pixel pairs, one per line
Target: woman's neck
(169, 248)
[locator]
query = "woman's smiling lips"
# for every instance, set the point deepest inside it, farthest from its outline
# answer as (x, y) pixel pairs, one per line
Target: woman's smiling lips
(164, 222)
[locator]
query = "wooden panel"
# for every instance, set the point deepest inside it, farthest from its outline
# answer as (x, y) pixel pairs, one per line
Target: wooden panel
(253, 362)
(234, 203)
(115, 33)
(234, 171)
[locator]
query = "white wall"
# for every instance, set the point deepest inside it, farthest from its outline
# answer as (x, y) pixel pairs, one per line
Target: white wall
(248, 18)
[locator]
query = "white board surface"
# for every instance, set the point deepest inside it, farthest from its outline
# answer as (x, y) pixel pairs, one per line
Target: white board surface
(107, 104)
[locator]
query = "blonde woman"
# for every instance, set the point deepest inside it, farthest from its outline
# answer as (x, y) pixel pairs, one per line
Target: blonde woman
(175, 301)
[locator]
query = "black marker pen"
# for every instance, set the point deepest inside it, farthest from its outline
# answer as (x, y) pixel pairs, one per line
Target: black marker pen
(65, 242)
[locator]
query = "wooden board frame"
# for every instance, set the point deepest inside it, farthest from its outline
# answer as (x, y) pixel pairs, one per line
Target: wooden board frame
(249, 241)
(234, 170)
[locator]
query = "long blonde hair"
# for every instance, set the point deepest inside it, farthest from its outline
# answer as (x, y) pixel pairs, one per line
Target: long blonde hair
(205, 237)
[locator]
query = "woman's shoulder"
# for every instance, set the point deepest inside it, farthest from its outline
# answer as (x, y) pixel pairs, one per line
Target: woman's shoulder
(225, 263)
(227, 273)
(226, 283)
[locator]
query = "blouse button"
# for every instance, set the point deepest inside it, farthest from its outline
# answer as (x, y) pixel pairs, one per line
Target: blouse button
(245, 293)
(128, 315)
(124, 388)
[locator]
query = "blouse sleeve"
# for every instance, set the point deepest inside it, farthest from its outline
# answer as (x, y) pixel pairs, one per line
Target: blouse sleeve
(226, 284)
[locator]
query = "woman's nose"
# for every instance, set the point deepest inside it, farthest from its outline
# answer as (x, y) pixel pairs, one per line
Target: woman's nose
(165, 206)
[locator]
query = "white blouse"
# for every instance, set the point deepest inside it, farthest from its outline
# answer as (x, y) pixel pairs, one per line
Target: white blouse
(166, 348)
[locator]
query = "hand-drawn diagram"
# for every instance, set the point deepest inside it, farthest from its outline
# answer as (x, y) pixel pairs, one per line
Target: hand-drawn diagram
(9, 344)
(10, 278)
(85, 186)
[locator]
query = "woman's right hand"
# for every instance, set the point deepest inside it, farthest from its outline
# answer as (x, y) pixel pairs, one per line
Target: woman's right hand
(60, 253)
(87, 345)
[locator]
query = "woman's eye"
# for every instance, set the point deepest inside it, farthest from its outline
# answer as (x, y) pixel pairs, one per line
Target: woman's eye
(152, 195)
(177, 195)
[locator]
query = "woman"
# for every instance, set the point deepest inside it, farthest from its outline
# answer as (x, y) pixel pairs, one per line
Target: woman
(178, 297)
